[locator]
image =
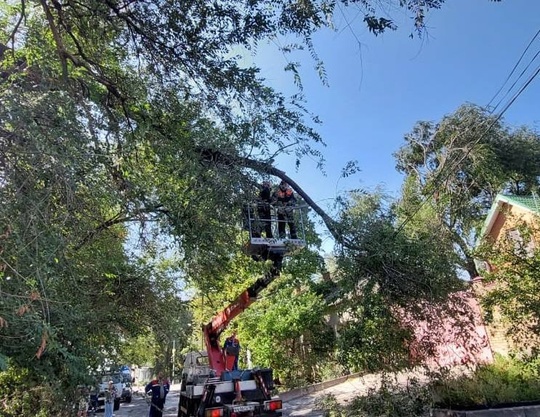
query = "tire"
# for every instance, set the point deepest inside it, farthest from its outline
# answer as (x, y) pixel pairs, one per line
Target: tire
(128, 399)
(116, 404)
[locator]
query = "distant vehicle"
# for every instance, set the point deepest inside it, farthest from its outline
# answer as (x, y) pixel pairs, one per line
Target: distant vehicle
(126, 373)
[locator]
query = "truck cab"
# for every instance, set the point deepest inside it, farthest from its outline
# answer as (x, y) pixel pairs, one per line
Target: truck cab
(196, 368)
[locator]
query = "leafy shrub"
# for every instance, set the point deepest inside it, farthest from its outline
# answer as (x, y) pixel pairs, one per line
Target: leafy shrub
(22, 396)
(329, 404)
(390, 400)
(331, 370)
(505, 381)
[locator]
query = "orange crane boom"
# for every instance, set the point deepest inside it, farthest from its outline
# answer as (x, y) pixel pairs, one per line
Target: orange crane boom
(220, 321)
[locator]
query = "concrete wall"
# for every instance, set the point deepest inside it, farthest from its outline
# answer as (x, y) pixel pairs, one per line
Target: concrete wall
(143, 375)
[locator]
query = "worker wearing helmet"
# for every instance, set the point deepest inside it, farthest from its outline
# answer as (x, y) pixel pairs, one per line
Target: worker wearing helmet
(284, 200)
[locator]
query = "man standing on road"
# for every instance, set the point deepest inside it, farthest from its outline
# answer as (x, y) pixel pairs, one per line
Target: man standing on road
(159, 388)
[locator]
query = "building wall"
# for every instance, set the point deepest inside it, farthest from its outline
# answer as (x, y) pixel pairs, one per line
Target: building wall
(507, 218)
(452, 334)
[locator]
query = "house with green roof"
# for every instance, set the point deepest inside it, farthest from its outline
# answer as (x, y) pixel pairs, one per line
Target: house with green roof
(506, 213)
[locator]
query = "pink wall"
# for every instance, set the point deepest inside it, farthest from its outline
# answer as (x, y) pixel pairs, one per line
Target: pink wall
(449, 335)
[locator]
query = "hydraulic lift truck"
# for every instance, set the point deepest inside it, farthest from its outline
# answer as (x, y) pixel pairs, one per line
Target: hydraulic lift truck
(209, 386)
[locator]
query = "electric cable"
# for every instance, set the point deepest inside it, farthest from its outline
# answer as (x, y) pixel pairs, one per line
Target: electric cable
(514, 68)
(437, 181)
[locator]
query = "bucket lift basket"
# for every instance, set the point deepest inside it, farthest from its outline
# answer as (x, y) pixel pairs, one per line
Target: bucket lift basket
(259, 243)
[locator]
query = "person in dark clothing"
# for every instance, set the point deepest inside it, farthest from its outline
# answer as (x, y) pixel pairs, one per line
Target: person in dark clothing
(159, 388)
(263, 208)
(284, 200)
(231, 347)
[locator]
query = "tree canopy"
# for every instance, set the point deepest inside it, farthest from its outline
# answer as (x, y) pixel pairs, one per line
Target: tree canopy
(125, 123)
(456, 167)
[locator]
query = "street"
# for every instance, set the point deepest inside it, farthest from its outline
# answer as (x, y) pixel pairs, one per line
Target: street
(139, 407)
(301, 405)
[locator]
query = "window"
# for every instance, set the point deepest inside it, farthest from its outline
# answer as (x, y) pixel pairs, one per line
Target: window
(519, 243)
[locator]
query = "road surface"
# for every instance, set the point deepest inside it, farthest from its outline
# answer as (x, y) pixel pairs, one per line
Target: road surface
(300, 403)
(140, 408)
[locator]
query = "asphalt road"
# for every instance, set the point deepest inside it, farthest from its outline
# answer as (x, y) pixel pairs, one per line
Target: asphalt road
(140, 408)
(300, 406)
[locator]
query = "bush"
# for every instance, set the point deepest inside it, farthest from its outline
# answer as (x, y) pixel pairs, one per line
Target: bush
(22, 396)
(506, 381)
(390, 400)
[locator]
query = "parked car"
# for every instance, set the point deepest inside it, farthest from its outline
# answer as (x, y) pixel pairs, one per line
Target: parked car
(127, 391)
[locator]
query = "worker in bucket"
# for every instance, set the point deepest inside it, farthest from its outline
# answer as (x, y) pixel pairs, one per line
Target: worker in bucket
(263, 208)
(284, 200)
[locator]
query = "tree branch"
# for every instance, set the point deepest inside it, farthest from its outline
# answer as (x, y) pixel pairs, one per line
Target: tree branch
(214, 156)
(15, 29)
(57, 39)
(118, 219)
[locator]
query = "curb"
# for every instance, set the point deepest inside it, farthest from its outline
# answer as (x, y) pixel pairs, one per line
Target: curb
(300, 392)
(524, 411)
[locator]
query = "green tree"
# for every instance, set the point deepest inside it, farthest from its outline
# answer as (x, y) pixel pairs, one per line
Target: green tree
(287, 328)
(121, 113)
(456, 167)
(510, 288)
(390, 272)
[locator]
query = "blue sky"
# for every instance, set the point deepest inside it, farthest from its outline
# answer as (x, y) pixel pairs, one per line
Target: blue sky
(382, 86)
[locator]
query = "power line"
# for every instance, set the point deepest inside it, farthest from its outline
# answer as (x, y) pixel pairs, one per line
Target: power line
(515, 82)
(515, 67)
(439, 177)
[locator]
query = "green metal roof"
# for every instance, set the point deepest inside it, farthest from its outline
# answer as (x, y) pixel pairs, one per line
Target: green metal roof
(531, 202)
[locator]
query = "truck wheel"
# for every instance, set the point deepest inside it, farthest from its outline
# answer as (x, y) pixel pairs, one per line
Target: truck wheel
(128, 399)
(116, 404)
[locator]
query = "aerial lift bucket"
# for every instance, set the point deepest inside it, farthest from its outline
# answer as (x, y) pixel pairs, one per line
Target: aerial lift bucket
(259, 244)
